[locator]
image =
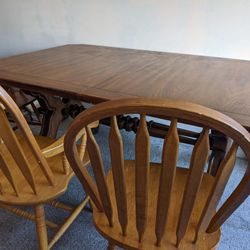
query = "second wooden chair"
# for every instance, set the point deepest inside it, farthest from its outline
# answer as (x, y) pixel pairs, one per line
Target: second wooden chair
(145, 205)
(34, 171)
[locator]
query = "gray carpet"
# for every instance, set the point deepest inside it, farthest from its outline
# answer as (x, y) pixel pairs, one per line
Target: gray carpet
(18, 233)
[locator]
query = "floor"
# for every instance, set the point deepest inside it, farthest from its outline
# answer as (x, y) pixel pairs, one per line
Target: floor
(17, 233)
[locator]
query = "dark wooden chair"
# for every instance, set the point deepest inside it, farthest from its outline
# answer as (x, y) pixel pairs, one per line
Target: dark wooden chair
(34, 171)
(144, 205)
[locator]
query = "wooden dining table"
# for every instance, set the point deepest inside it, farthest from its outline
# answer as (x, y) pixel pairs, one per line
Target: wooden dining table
(98, 73)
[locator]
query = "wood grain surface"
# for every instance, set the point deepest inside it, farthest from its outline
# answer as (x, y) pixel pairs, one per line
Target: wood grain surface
(97, 73)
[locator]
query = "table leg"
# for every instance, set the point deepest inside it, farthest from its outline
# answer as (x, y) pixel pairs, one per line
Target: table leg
(51, 107)
(55, 109)
(218, 146)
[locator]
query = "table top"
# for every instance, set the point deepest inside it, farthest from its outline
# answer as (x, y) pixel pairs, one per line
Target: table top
(97, 73)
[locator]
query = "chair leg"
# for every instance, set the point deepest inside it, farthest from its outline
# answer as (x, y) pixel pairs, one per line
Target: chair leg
(41, 227)
(111, 246)
(68, 222)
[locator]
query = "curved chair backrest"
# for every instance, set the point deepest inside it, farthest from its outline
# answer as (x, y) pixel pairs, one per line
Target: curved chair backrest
(175, 112)
(10, 143)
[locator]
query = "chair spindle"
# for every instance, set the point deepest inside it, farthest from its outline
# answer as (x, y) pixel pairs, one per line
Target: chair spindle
(169, 160)
(117, 159)
(7, 173)
(142, 159)
(15, 149)
(222, 177)
(198, 160)
(97, 165)
(83, 146)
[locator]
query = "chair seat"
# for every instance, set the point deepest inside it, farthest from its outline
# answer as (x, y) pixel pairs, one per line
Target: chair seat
(113, 234)
(45, 192)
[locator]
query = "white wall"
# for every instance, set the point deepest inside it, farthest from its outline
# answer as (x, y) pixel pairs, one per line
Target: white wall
(206, 27)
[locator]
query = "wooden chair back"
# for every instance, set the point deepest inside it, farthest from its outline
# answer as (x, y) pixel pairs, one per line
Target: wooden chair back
(176, 112)
(10, 148)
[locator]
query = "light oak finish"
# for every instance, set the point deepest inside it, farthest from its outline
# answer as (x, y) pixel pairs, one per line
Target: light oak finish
(97, 164)
(169, 161)
(166, 207)
(97, 73)
(149, 241)
(142, 158)
(197, 163)
(32, 172)
(116, 153)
